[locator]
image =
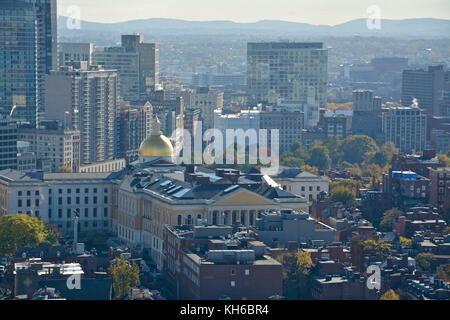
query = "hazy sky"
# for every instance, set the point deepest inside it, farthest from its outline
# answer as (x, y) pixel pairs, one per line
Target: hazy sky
(310, 11)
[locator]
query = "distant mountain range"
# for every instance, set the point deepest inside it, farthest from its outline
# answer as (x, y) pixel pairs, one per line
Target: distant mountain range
(429, 28)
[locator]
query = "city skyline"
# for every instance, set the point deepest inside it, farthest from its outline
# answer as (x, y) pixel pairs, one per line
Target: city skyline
(320, 12)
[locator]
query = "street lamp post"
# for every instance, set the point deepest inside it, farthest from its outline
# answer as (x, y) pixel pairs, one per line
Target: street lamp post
(75, 229)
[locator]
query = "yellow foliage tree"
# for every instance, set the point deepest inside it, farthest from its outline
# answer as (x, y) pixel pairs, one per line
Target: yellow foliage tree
(390, 295)
(20, 230)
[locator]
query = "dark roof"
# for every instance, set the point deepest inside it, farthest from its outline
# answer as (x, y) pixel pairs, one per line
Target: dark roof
(180, 190)
(91, 288)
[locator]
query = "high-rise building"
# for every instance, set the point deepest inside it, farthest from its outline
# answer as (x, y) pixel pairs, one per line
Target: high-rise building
(366, 113)
(54, 147)
(75, 52)
(8, 144)
(207, 100)
(86, 99)
(135, 125)
(363, 100)
(28, 50)
(405, 127)
(338, 123)
(426, 86)
(287, 71)
(137, 64)
(289, 124)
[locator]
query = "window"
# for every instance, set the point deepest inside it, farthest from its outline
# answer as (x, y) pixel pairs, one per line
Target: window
(95, 212)
(36, 193)
(247, 272)
(69, 213)
(95, 200)
(50, 213)
(60, 191)
(105, 199)
(28, 203)
(77, 200)
(60, 200)
(28, 193)
(233, 284)
(86, 190)
(86, 212)
(86, 200)
(19, 193)
(77, 190)
(36, 202)
(233, 272)
(19, 203)
(95, 190)
(69, 200)
(105, 212)
(69, 191)
(60, 213)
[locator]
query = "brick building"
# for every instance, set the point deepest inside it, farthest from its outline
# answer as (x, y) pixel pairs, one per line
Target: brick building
(213, 263)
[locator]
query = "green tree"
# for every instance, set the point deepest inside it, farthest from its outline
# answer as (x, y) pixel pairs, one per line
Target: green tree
(423, 260)
(334, 146)
(291, 161)
(343, 194)
(296, 275)
(357, 149)
(390, 295)
(21, 230)
(388, 219)
(124, 276)
(443, 272)
(320, 158)
(384, 156)
(380, 158)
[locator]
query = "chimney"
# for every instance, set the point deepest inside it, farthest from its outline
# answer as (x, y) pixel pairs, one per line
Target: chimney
(429, 153)
(202, 180)
(233, 177)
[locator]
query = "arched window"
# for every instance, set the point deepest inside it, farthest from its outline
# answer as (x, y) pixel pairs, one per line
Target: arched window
(189, 220)
(179, 220)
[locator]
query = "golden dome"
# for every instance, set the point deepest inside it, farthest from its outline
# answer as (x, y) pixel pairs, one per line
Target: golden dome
(156, 146)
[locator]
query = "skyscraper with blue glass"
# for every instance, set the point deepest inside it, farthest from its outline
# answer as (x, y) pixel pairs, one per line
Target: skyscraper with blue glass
(28, 50)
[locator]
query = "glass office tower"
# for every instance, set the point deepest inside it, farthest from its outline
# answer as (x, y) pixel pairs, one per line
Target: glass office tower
(28, 50)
